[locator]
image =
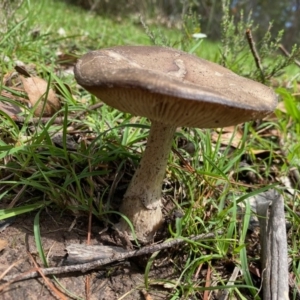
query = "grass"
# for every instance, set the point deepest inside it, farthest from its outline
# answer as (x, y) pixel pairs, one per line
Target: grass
(206, 185)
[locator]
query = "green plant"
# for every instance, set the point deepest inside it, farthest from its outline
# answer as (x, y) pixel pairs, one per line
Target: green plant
(259, 60)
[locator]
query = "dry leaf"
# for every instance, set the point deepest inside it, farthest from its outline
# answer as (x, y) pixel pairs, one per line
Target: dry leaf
(59, 91)
(272, 116)
(66, 59)
(146, 295)
(36, 88)
(10, 96)
(227, 137)
(3, 244)
(22, 71)
(281, 107)
(259, 151)
(9, 108)
(11, 79)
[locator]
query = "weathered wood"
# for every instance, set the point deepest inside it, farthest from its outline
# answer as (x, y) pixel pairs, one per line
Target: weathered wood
(82, 253)
(274, 257)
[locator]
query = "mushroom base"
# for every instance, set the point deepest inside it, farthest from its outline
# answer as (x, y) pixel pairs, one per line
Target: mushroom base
(145, 221)
(142, 200)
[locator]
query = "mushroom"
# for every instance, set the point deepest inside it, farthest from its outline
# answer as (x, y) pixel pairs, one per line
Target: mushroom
(172, 89)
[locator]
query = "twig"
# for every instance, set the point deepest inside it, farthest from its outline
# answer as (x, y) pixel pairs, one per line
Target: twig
(37, 120)
(10, 267)
(198, 271)
(225, 293)
(51, 287)
(288, 54)
(17, 197)
(255, 53)
(16, 278)
(116, 256)
(90, 108)
(207, 284)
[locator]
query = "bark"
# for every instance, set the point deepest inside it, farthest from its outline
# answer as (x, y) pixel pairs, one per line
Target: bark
(274, 257)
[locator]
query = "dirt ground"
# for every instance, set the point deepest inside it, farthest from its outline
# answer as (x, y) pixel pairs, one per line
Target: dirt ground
(122, 280)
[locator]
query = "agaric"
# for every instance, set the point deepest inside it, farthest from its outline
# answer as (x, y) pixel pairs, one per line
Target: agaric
(171, 88)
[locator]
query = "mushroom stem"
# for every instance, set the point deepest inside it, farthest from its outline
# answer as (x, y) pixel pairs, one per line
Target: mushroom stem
(142, 200)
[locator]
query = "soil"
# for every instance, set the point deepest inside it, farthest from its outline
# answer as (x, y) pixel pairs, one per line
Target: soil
(122, 280)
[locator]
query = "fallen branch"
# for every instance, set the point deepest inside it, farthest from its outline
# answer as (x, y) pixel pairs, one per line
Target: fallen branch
(115, 256)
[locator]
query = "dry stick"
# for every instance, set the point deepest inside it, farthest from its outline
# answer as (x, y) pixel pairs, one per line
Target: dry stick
(115, 257)
(10, 267)
(207, 283)
(198, 271)
(286, 53)
(255, 53)
(51, 287)
(16, 278)
(92, 107)
(225, 293)
(274, 257)
(38, 120)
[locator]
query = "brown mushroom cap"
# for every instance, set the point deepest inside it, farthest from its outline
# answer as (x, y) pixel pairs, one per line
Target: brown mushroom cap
(173, 87)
